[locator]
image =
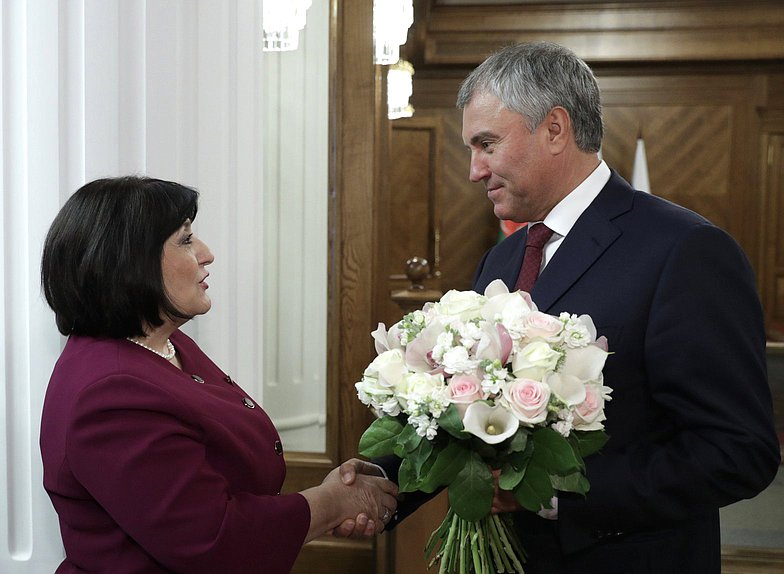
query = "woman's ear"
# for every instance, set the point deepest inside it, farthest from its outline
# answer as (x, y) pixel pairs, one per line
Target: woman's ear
(559, 129)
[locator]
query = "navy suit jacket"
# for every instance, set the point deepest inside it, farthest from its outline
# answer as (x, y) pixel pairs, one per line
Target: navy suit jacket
(153, 469)
(690, 421)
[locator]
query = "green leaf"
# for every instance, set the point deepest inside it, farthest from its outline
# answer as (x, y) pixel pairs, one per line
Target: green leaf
(380, 437)
(519, 440)
(452, 422)
(446, 467)
(471, 492)
(510, 477)
(519, 460)
(535, 490)
(407, 479)
(420, 455)
(588, 442)
(575, 482)
(554, 453)
(407, 441)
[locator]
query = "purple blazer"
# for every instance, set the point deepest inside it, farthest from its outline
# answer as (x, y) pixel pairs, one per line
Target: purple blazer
(152, 469)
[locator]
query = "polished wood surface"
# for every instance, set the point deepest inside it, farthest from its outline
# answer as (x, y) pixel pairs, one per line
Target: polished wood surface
(652, 31)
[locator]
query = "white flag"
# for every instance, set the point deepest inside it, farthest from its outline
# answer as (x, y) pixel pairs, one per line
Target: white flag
(640, 170)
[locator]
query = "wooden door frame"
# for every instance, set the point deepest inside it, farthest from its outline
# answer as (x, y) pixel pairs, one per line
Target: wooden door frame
(356, 120)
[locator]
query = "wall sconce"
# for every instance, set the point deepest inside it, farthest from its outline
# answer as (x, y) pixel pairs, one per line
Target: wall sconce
(391, 21)
(282, 21)
(399, 90)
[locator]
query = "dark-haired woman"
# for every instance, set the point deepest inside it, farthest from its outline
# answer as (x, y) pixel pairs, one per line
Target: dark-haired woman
(154, 458)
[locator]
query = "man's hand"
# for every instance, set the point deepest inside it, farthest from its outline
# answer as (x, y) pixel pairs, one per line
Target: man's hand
(361, 526)
(503, 500)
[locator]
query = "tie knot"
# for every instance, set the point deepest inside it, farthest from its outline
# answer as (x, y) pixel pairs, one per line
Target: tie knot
(538, 235)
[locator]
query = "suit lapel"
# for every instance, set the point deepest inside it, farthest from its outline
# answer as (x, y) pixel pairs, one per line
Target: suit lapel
(591, 235)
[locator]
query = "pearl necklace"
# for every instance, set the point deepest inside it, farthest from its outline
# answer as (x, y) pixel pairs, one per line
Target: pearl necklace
(168, 355)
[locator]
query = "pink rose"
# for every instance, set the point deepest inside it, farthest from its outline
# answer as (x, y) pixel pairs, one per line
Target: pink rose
(589, 414)
(542, 325)
(464, 390)
(528, 400)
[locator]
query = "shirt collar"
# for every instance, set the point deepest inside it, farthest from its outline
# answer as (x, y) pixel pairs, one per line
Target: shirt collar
(564, 215)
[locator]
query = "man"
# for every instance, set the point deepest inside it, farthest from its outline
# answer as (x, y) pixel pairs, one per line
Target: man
(690, 421)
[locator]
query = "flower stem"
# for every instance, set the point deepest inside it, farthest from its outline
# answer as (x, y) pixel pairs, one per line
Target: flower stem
(485, 546)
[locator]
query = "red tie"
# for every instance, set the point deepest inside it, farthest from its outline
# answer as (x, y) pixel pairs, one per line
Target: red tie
(538, 235)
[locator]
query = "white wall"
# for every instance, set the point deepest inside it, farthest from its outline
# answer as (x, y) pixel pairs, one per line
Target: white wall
(176, 89)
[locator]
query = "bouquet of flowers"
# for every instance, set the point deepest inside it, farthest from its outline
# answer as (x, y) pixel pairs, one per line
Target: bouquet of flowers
(476, 385)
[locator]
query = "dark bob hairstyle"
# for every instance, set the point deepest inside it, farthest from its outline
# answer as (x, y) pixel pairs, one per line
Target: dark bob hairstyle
(101, 266)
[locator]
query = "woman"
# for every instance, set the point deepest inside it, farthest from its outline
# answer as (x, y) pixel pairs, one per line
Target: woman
(154, 458)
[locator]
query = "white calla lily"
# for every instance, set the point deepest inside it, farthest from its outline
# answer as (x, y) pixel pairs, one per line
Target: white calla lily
(568, 388)
(491, 424)
(585, 363)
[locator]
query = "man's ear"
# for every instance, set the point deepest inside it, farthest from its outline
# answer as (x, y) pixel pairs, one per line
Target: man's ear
(559, 129)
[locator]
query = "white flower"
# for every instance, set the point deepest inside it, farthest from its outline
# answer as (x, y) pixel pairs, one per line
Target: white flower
(380, 380)
(465, 305)
(578, 331)
(470, 333)
(424, 426)
(568, 388)
(419, 352)
(535, 360)
(492, 424)
(585, 363)
(495, 343)
(458, 360)
(565, 423)
(388, 368)
(386, 341)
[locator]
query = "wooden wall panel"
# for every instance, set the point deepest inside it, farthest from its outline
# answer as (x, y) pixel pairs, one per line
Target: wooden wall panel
(773, 281)
(688, 152)
(652, 31)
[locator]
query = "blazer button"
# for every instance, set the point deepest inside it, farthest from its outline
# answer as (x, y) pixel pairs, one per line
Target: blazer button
(197, 378)
(227, 378)
(278, 447)
(248, 403)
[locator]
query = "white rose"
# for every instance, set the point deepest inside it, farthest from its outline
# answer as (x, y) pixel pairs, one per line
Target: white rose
(389, 368)
(535, 360)
(421, 386)
(463, 304)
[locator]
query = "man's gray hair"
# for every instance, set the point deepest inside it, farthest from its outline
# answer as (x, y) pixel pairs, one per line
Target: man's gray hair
(531, 79)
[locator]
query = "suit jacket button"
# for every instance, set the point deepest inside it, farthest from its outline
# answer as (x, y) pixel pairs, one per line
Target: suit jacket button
(278, 447)
(197, 378)
(227, 378)
(248, 403)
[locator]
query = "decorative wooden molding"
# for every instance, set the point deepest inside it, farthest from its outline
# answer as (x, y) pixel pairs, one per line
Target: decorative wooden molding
(609, 32)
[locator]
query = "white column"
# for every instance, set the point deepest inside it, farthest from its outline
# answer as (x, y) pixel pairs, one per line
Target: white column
(295, 234)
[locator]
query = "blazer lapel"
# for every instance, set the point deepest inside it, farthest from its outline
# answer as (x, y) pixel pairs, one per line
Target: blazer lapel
(591, 235)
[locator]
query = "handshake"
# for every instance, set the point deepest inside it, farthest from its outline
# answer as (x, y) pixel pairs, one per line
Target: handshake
(353, 501)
